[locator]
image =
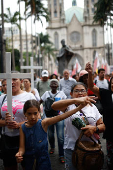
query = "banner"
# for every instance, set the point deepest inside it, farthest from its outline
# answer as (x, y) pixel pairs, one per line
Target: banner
(96, 62)
(77, 67)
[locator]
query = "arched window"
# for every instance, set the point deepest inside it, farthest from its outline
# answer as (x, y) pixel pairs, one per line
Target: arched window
(94, 54)
(94, 38)
(55, 13)
(55, 2)
(56, 40)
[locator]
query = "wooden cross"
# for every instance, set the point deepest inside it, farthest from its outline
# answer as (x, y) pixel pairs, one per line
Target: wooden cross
(32, 68)
(8, 76)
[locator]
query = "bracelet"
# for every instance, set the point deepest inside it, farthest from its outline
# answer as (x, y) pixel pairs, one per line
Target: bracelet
(97, 130)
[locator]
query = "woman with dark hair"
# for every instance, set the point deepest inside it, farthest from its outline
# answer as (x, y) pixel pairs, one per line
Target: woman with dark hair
(106, 99)
(53, 76)
(96, 125)
(27, 86)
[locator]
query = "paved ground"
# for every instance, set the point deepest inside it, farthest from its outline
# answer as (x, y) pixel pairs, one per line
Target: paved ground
(56, 165)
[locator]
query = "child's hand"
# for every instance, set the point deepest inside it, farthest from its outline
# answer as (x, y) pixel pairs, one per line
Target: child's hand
(19, 157)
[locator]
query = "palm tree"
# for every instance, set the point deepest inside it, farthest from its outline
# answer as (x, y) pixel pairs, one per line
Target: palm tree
(27, 56)
(38, 10)
(48, 50)
(103, 11)
(12, 19)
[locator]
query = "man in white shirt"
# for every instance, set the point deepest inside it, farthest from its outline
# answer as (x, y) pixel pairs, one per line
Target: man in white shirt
(101, 82)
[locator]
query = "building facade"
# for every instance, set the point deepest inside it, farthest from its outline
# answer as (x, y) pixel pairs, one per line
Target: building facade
(16, 39)
(75, 26)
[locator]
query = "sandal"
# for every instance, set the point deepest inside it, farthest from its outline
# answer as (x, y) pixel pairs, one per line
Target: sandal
(62, 160)
(51, 151)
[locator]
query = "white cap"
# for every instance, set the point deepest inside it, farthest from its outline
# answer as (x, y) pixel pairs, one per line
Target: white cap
(45, 73)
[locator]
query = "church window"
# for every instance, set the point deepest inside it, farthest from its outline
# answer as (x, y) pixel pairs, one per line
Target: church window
(55, 3)
(75, 37)
(94, 54)
(93, 10)
(56, 40)
(55, 13)
(94, 38)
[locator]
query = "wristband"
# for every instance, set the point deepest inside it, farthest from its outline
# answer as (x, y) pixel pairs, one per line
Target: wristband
(97, 130)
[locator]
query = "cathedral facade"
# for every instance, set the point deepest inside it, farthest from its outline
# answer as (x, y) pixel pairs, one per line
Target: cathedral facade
(75, 26)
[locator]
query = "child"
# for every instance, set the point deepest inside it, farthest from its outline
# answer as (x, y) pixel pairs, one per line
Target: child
(33, 135)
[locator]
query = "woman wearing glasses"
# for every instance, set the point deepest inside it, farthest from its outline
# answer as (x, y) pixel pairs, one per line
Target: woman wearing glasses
(92, 114)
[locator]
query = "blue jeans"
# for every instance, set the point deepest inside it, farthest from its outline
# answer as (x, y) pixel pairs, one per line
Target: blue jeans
(60, 136)
(68, 159)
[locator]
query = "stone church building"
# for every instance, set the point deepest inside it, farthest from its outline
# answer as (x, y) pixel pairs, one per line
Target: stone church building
(75, 26)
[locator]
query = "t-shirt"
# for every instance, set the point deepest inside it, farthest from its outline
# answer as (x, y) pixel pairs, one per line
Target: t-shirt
(107, 104)
(71, 132)
(17, 108)
(102, 84)
(60, 96)
(43, 86)
(36, 94)
(65, 86)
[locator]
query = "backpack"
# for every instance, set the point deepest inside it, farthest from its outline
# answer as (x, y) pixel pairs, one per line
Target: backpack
(48, 109)
(87, 155)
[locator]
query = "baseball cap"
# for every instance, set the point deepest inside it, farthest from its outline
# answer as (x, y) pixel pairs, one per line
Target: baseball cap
(45, 73)
(82, 73)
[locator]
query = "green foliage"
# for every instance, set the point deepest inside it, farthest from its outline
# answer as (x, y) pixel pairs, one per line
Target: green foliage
(12, 18)
(103, 11)
(48, 50)
(17, 57)
(24, 57)
(37, 9)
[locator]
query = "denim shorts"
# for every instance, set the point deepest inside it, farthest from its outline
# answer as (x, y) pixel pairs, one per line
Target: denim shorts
(68, 159)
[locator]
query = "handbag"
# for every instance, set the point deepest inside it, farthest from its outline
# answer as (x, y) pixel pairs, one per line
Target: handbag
(87, 155)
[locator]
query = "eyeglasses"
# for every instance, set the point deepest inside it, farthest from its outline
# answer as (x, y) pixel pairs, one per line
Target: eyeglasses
(79, 91)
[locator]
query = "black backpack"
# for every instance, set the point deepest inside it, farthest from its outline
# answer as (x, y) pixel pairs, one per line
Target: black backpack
(48, 109)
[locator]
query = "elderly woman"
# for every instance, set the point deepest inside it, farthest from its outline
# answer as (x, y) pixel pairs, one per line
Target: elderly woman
(106, 98)
(92, 114)
(10, 127)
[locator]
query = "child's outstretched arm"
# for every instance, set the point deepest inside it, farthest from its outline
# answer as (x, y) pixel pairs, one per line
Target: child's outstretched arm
(49, 121)
(19, 154)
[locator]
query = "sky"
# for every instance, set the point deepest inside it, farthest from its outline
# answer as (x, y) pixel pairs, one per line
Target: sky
(14, 7)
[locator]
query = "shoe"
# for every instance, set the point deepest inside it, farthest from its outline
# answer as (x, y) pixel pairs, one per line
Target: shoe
(51, 151)
(62, 160)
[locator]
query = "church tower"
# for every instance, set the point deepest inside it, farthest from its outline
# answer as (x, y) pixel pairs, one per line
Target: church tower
(56, 11)
(89, 10)
(93, 33)
(57, 26)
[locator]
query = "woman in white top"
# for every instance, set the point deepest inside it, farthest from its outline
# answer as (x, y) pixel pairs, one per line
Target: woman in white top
(10, 127)
(71, 132)
(27, 86)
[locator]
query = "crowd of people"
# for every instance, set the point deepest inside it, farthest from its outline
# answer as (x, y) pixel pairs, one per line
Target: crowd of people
(25, 136)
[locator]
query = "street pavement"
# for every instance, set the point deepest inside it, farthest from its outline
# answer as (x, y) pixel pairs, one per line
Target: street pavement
(55, 163)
